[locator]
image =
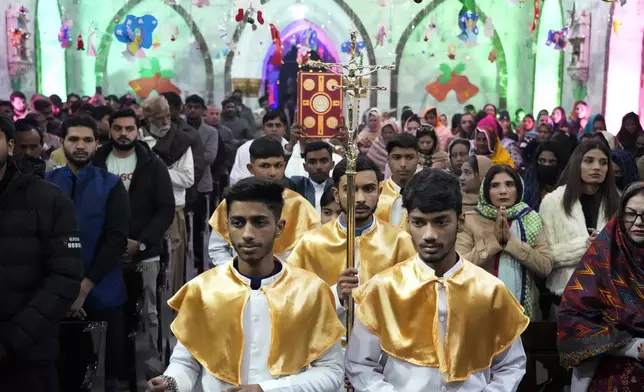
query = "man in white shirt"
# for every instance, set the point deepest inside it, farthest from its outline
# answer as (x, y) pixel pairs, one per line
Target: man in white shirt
(317, 164)
(273, 124)
(173, 147)
(402, 153)
(435, 322)
(234, 329)
(152, 209)
(296, 147)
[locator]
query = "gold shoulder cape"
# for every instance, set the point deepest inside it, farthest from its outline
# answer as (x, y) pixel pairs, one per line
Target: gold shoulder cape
(209, 321)
(388, 195)
(323, 250)
(399, 306)
(299, 214)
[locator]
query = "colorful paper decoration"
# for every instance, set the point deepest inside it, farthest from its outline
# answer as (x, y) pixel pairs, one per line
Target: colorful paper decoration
(451, 79)
(451, 52)
(558, 38)
(153, 79)
(429, 31)
(319, 103)
(537, 15)
(346, 46)
(275, 35)
(249, 10)
(616, 25)
(80, 44)
(380, 37)
(492, 56)
(469, 31)
(64, 35)
(136, 33)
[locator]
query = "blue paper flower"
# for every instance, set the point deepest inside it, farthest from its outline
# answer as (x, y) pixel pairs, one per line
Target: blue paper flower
(146, 24)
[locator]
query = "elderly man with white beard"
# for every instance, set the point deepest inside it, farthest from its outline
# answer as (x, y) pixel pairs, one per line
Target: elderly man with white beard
(173, 147)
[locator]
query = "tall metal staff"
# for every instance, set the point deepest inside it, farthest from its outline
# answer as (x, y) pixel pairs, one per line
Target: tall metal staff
(353, 75)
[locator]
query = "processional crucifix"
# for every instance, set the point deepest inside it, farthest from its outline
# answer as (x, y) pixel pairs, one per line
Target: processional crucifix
(352, 84)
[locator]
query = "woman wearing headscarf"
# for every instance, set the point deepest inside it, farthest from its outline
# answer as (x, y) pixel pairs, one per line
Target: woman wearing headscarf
(457, 153)
(541, 175)
(406, 114)
(412, 124)
(488, 143)
(431, 117)
(629, 132)
(601, 316)
(506, 237)
(624, 168)
(371, 131)
(378, 150)
(472, 173)
(596, 123)
(430, 154)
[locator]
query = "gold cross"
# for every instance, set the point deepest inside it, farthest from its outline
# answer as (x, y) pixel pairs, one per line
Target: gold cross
(353, 77)
(352, 84)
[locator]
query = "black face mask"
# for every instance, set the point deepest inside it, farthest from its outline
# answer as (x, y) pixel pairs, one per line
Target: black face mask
(547, 175)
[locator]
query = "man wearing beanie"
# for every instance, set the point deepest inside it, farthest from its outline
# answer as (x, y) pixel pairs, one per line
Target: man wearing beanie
(40, 272)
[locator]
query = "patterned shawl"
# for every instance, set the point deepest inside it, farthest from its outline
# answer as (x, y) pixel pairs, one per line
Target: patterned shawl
(602, 307)
(526, 225)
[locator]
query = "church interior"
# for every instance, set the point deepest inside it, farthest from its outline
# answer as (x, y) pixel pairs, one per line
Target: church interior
(516, 54)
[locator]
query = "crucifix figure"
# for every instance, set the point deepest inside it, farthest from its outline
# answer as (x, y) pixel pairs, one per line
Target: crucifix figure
(353, 74)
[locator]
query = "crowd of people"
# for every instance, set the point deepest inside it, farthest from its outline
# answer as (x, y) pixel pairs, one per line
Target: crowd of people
(465, 233)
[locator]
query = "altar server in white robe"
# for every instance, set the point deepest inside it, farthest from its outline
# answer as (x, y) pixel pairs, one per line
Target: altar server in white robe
(435, 322)
(254, 324)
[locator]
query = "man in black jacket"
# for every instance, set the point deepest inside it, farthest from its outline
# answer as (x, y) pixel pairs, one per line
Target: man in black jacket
(152, 209)
(40, 272)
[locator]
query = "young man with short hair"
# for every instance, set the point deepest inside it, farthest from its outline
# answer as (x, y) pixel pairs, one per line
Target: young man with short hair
(152, 206)
(379, 245)
(273, 125)
(318, 163)
(30, 142)
(435, 322)
(254, 323)
(19, 102)
(103, 211)
(267, 161)
(402, 151)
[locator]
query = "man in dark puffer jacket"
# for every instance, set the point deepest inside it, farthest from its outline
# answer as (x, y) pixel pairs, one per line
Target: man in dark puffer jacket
(41, 269)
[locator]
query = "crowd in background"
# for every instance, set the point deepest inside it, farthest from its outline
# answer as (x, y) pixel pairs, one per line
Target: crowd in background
(538, 193)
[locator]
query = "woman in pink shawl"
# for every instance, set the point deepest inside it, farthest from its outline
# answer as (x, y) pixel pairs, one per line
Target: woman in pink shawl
(431, 117)
(371, 131)
(378, 151)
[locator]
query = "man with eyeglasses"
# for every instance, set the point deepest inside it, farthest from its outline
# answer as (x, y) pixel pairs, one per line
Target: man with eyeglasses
(273, 125)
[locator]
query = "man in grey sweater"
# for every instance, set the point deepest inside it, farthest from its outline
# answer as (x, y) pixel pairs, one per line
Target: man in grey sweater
(194, 110)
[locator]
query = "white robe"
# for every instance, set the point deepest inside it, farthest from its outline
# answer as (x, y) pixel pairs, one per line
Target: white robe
(325, 374)
(371, 370)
